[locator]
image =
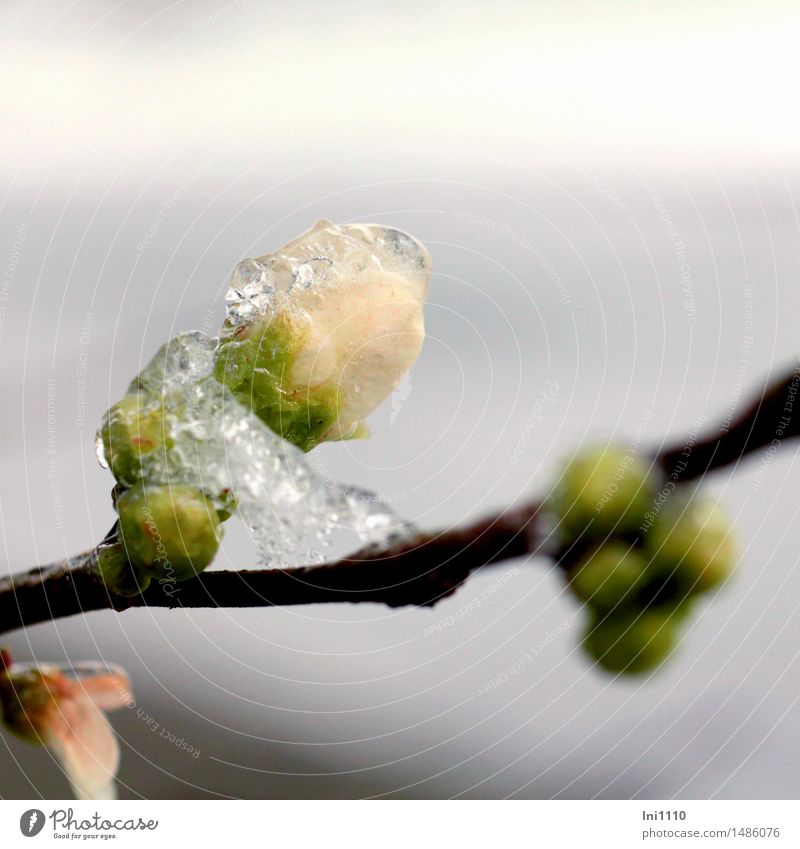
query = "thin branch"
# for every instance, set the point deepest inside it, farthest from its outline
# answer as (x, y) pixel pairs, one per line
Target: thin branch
(419, 571)
(769, 420)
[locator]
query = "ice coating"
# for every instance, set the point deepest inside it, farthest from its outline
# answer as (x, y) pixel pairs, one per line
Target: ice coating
(320, 331)
(321, 257)
(218, 445)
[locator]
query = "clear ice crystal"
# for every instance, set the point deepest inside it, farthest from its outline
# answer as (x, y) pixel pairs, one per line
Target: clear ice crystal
(185, 359)
(321, 257)
(218, 445)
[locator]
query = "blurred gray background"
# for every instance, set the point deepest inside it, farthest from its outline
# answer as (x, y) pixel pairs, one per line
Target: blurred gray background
(609, 192)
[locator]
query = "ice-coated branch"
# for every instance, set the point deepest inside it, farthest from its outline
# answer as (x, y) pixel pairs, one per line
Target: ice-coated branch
(418, 571)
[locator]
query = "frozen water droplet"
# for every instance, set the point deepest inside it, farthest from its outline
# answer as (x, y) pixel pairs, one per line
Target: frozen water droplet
(321, 257)
(313, 271)
(406, 247)
(100, 451)
(181, 361)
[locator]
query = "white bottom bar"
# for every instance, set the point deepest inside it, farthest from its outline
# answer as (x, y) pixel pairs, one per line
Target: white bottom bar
(390, 824)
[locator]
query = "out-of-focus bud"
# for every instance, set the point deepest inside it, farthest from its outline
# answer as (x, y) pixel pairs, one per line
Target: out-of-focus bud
(693, 540)
(62, 708)
(632, 643)
(131, 434)
(602, 490)
(611, 577)
(320, 331)
(169, 532)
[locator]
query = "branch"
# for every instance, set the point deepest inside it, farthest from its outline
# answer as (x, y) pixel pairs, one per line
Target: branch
(419, 571)
(769, 420)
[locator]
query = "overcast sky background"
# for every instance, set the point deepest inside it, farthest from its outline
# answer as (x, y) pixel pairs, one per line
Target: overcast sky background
(609, 193)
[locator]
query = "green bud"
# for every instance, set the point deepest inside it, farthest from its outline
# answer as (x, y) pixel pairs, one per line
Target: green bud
(169, 532)
(132, 432)
(602, 490)
(694, 539)
(118, 574)
(611, 577)
(631, 643)
(255, 361)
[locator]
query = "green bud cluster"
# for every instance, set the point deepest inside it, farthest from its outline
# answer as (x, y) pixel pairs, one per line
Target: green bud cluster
(166, 532)
(637, 569)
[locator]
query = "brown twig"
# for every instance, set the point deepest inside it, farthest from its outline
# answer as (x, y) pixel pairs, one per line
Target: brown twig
(418, 571)
(769, 420)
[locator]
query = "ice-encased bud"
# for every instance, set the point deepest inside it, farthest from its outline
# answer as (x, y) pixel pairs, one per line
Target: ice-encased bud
(320, 331)
(132, 432)
(169, 532)
(219, 446)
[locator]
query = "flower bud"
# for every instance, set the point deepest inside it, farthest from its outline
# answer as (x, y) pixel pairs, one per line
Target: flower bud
(320, 331)
(169, 532)
(63, 709)
(631, 643)
(693, 539)
(602, 490)
(118, 574)
(25, 699)
(611, 577)
(132, 434)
